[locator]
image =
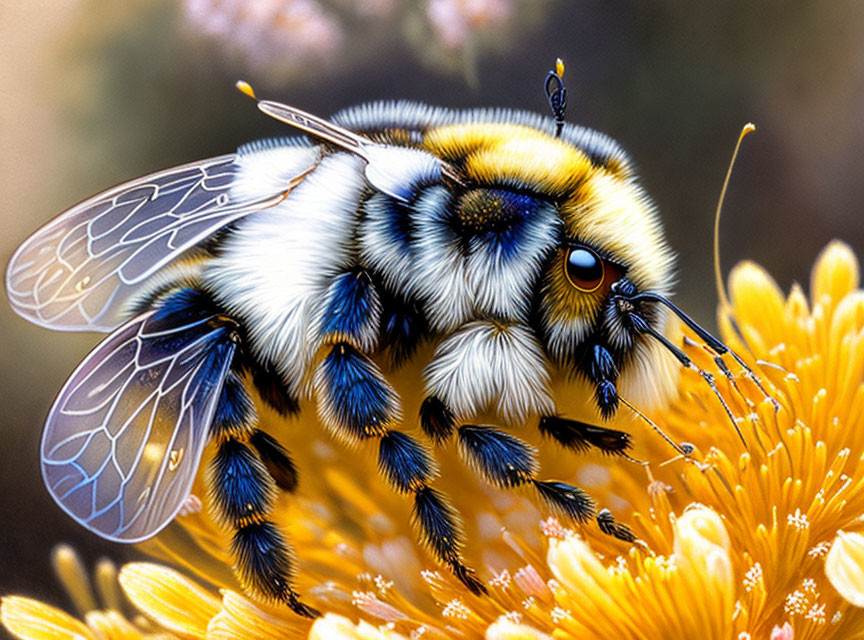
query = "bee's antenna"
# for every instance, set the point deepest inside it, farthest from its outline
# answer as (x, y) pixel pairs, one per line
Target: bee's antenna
(725, 305)
(556, 94)
(718, 273)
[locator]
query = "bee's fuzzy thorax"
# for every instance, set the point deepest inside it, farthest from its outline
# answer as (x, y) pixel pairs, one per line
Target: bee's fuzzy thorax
(274, 269)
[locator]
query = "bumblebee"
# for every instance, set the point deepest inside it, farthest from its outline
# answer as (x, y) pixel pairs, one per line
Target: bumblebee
(521, 249)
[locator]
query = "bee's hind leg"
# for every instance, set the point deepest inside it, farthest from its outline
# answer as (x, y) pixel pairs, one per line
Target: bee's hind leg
(243, 478)
(246, 469)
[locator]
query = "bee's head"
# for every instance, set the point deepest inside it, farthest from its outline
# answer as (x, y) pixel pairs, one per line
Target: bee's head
(558, 232)
(610, 250)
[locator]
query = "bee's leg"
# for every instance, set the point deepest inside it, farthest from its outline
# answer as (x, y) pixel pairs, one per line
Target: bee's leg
(276, 458)
(408, 467)
(599, 366)
(580, 436)
(242, 493)
(272, 390)
(437, 419)
(356, 402)
(507, 462)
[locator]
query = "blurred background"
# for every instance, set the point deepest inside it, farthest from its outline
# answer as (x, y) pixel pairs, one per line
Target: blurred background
(95, 93)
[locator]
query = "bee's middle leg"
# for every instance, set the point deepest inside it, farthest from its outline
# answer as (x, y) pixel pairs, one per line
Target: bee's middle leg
(357, 403)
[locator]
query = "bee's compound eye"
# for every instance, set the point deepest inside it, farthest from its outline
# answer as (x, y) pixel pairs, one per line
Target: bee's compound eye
(584, 269)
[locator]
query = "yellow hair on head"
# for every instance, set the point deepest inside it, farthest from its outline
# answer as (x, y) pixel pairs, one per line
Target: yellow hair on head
(605, 211)
(512, 154)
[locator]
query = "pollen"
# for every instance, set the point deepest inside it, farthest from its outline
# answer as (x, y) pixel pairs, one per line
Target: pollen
(798, 520)
(456, 609)
(753, 577)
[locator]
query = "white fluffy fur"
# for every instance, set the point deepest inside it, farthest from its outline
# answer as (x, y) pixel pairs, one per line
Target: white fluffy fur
(397, 170)
(379, 250)
(279, 261)
(565, 335)
(503, 287)
(484, 363)
(266, 170)
(439, 272)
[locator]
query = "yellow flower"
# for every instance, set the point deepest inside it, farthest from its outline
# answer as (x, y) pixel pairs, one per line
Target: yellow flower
(646, 601)
(844, 566)
(732, 542)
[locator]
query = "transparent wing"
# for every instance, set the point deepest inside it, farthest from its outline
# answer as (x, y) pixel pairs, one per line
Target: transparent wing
(124, 438)
(77, 271)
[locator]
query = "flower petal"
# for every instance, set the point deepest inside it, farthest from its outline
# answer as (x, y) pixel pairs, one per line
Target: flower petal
(844, 566)
(32, 620)
(503, 629)
(835, 274)
(171, 599)
(241, 619)
(335, 627)
(758, 303)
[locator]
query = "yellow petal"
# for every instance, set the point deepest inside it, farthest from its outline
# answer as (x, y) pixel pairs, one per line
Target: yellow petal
(112, 626)
(73, 576)
(335, 627)
(844, 566)
(835, 273)
(700, 529)
(576, 566)
(758, 303)
(503, 629)
(32, 620)
(701, 539)
(171, 599)
(241, 619)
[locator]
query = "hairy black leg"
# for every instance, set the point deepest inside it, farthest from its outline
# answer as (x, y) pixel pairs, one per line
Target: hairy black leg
(240, 486)
(436, 420)
(408, 467)
(579, 436)
(273, 391)
(612, 527)
(242, 493)
(507, 462)
(356, 402)
(599, 365)
(277, 460)
(403, 327)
